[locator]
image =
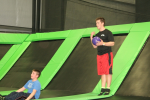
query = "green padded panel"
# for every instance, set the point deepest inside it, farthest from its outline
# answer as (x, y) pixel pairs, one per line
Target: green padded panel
(144, 26)
(129, 56)
(60, 57)
(48, 36)
(48, 73)
(118, 29)
(68, 45)
(13, 59)
(6, 38)
(57, 60)
(7, 56)
(31, 37)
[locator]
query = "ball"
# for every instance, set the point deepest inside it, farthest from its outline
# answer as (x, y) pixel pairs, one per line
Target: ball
(95, 40)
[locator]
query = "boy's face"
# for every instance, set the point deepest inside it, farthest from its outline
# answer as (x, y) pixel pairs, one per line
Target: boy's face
(34, 75)
(99, 24)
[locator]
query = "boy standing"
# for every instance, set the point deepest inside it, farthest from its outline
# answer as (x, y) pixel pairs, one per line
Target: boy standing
(33, 87)
(104, 54)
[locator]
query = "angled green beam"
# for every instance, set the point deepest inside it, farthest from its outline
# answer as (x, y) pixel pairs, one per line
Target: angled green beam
(48, 36)
(59, 58)
(9, 59)
(7, 56)
(128, 57)
(6, 38)
(13, 58)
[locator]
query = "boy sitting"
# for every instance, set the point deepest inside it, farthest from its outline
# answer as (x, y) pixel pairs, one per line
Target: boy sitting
(33, 86)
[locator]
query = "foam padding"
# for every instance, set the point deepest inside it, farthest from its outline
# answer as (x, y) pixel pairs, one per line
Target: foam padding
(48, 36)
(13, 59)
(60, 57)
(6, 38)
(119, 29)
(7, 56)
(144, 26)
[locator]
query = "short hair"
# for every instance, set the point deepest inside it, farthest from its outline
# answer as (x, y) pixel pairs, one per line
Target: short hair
(101, 19)
(37, 71)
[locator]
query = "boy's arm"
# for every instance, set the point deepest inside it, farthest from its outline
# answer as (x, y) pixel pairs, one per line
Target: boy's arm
(111, 43)
(91, 37)
(31, 95)
(21, 89)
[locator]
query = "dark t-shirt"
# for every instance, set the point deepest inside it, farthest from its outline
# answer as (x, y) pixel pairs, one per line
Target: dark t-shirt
(106, 36)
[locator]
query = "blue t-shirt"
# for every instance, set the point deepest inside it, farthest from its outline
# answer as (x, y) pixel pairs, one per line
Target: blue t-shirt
(30, 85)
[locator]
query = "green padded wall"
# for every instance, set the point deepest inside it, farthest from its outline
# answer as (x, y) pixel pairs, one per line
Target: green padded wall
(48, 36)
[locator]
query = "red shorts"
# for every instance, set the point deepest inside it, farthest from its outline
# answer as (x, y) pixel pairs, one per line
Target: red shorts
(105, 63)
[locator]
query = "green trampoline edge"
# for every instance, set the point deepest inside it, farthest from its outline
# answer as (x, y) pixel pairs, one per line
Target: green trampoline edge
(57, 61)
(13, 58)
(7, 56)
(12, 38)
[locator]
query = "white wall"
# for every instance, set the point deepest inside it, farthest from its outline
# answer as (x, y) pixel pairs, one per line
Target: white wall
(16, 13)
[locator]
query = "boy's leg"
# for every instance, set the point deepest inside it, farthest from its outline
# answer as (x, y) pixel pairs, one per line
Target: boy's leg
(108, 80)
(109, 76)
(25, 96)
(103, 80)
(2, 97)
(101, 71)
(17, 96)
(14, 95)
